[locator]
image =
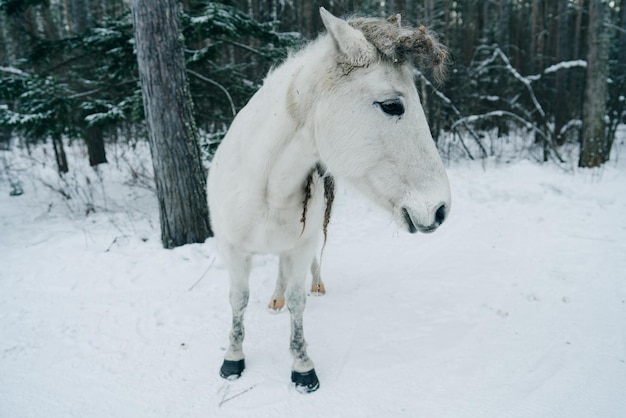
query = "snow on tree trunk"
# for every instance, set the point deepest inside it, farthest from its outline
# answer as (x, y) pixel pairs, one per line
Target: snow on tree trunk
(179, 175)
(594, 147)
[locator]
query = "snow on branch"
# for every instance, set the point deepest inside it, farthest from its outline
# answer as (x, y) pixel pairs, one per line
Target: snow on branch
(526, 81)
(497, 113)
(565, 65)
(13, 70)
(447, 101)
(11, 118)
(572, 124)
(503, 113)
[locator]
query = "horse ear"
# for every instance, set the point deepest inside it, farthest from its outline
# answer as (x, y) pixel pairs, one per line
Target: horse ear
(350, 42)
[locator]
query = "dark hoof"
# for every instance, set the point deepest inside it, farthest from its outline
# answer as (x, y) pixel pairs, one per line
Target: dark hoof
(232, 369)
(305, 382)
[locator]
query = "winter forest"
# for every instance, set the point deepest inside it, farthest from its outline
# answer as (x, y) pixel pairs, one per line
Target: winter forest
(114, 300)
(69, 71)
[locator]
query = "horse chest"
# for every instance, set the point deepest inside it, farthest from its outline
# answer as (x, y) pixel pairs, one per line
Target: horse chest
(277, 230)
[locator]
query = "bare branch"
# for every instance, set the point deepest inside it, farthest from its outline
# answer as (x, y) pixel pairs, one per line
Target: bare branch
(218, 85)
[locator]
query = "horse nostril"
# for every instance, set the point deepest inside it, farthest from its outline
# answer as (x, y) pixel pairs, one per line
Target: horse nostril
(440, 214)
(409, 221)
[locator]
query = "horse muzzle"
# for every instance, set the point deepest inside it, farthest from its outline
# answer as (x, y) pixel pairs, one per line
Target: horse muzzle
(425, 224)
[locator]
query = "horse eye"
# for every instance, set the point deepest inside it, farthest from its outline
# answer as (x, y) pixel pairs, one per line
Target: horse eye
(392, 107)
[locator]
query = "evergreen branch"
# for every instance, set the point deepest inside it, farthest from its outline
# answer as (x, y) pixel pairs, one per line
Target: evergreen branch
(246, 47)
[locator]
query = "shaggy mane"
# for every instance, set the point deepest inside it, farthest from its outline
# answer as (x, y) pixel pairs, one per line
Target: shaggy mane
(404, 44)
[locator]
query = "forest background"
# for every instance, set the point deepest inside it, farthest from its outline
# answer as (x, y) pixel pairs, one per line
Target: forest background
(543, 71)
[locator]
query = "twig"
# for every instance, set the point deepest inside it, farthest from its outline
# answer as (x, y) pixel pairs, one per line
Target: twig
(447, 101)
(224, 399)
(218, 85)
(203, 274)
(115, 242)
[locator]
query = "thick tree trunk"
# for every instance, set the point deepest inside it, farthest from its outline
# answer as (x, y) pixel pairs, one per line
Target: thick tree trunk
(595, 149)
(179, 175)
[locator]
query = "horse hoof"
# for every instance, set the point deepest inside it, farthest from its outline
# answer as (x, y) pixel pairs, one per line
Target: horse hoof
(232, 370)
(276, 304)
(318, 289)
(306, 382)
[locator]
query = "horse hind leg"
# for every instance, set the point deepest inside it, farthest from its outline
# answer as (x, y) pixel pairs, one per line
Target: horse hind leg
(277, 302)
(239, 271)
(317, 286)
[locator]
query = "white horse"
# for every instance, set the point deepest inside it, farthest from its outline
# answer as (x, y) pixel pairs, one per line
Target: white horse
(347, 105)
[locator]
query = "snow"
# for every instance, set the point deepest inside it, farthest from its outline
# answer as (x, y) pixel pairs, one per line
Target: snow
(200, 19)
(13, 70)
(15, 118)
(516, 307)
(565, 65)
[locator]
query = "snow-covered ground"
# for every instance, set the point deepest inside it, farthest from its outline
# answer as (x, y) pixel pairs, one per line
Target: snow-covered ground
(516, 307)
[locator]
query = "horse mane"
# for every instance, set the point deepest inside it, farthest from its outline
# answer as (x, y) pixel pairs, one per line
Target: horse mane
(403, 44)
(329, 196)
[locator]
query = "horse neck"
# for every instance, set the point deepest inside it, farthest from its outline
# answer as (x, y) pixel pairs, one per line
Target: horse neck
(290, 149)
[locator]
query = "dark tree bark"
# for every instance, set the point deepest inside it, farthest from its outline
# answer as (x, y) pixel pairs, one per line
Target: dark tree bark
(621, 57)
(504, 25)
(577, 53)
(59, 154)
(179, 175)
(595, 148)
(95, 146)
(78, 16)
(561, 102)
(6, 53)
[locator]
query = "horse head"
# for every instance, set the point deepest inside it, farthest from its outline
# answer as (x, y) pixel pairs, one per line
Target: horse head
(370, 127)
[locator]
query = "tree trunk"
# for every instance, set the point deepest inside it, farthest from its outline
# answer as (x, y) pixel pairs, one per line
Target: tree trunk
(504, 26)
(595, 149)
(6, 54)
(179, 175)
(95, 146)
(578, 32)
(78, 16)
(561, 97)
(616, 108)
(59, 154)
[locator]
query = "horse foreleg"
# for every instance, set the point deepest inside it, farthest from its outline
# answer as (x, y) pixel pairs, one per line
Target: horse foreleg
(294, 267)
(239, 271)
(317, 286)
